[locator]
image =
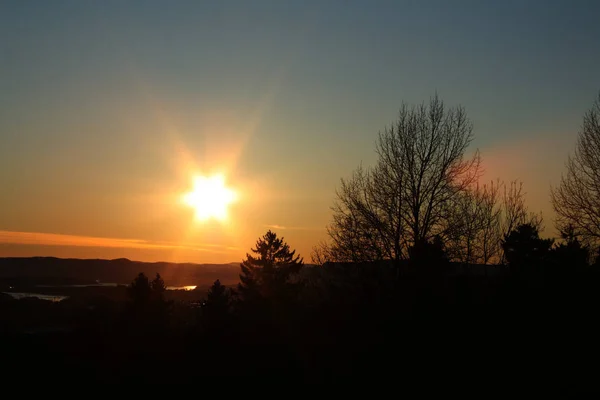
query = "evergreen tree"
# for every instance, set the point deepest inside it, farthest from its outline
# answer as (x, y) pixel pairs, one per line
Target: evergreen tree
(428, 254)
(571, 254)
(267, 272)
(218, 298)
(143, 291)
(140, 290)
(158, 287)
(523, 247)
(216, 311)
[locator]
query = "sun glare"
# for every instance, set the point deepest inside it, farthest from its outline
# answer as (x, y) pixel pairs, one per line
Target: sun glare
(210, 198)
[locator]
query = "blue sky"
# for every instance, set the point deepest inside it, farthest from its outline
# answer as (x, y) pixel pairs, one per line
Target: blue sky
(105, 105)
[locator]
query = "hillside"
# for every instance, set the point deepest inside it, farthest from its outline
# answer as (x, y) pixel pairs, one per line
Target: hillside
(50, 270)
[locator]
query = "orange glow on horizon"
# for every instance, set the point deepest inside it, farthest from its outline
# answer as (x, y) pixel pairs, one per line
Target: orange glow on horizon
(56, 239)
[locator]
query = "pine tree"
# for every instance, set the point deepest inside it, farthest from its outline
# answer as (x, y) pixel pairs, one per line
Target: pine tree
(140, 290)
(148, 312)
(216, 311)
(429, 254)
(218, 297)
(524, 248)
(158, 287)
(267, 272)
(571, 254)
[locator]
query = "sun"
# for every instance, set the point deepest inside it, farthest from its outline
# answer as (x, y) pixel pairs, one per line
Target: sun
(210, 198)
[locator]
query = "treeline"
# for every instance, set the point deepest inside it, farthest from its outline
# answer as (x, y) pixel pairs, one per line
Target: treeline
(424, 188)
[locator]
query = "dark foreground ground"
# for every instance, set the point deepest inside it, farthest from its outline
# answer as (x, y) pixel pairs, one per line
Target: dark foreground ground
(424, 333)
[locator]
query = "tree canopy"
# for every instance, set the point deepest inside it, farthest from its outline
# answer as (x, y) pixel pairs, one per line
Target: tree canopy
(269, 267)
(381, 212)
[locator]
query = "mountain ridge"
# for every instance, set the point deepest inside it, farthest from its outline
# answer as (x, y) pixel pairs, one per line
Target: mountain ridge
(121, 270)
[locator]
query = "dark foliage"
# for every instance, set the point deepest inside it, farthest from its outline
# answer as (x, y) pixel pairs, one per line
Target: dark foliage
(140, 290)
(217, 319)
(265, 274)
(218, 297)
(572, 252)
(429, 254)
(523, 247)
(218, 305)
(158, 287)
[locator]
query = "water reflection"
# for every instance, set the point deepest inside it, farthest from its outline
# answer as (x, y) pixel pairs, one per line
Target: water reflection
(112, 284)
(189, 287)
(57, 298)
(22, 295)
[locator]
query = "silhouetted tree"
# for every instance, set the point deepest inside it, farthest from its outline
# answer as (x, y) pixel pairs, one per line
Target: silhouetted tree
(524, 248)
(488, 242)
(149, 312)
(515, 211)
(576, 201)
(321, 253)
(266, 272)
(472, 232)
(430, 254)
(572, 253)
(482, 219)
(218, 297)
(216, 311)
(140, 290)
(158, 287)
(381, 212)
(466, 224)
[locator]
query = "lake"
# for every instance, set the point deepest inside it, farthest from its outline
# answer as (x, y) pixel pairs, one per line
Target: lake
(112, 284)
(22, 295)
(57, 298)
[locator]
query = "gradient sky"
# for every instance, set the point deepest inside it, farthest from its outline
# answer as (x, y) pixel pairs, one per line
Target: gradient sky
(107, 109)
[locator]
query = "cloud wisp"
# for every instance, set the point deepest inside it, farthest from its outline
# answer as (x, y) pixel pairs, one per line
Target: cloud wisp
(55, 239)
(292, 228)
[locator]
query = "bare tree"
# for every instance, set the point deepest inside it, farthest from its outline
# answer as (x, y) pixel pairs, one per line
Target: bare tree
(515, 213)
(489, 240)
(576, 201)
(463, 226)
(321, 253)
(365, 225)
(404, 199)
(474, 230)
(481, 219)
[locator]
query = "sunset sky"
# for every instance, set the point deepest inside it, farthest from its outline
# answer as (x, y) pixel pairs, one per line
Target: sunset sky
(108, 109)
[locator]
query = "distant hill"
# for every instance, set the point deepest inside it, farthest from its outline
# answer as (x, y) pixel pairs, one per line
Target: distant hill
(51, 270)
